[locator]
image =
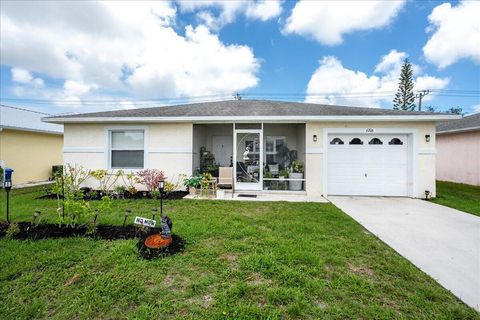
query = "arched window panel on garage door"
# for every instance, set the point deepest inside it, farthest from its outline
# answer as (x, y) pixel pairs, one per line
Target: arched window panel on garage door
(356, 141)
(395, 141)
(337, 141)
(375, 141)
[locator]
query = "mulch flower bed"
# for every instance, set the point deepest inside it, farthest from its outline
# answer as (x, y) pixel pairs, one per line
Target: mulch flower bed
(29, 231)
(97, 195)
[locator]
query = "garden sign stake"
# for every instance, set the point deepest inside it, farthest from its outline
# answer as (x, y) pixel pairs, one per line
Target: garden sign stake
(154, 210)
(127, 213)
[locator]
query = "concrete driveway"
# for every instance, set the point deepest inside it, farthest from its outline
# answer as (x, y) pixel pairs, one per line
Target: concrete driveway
(443, 242)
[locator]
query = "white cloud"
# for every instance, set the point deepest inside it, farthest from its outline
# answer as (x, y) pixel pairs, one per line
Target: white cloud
(125, 104)
(428, 82)
(456, 33)
(264, 10)
(476, 108)
(229, 10)
(124, 47)
(24, 77)
(332, 83)
(328, 21)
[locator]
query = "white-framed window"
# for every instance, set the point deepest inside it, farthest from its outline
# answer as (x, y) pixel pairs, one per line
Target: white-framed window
(272, 145)
(127, 148)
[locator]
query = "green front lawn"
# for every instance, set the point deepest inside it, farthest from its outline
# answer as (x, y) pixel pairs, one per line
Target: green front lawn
(243, 260)
(459, 196)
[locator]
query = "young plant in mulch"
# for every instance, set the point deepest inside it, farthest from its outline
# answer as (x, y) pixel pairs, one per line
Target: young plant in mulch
(119, 191)
(150, 178)
(129, 181)
(105, 205)
(12, 230)
(106, 179)
(37, 218)
(71, 205)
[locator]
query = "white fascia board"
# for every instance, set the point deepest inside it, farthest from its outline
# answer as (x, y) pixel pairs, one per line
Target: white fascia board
(458, 130)
(253, 119)
(31, 130)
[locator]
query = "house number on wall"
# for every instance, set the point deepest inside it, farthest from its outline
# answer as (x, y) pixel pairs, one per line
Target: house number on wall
(369, 130)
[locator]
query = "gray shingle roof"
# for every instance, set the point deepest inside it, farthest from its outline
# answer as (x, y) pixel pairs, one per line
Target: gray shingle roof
(465, 124)
(239, 108)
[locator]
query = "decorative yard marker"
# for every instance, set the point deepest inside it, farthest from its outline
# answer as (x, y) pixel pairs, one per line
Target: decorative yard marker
(145, 222)
(7, 184)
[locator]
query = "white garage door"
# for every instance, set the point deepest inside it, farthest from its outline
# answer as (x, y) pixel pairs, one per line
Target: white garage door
(371, 165)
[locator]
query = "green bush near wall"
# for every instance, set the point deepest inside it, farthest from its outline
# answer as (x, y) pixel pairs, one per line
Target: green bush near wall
(1, 177)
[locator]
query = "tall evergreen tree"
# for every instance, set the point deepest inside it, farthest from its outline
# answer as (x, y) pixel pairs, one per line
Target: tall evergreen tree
(404, 98)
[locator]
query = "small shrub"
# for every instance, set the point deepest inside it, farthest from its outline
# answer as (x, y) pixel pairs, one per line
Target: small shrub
(106, 179)
(120, 189)
(150, 178)
(13, 230)
(70, 197)
(129, 180)
(169, 187)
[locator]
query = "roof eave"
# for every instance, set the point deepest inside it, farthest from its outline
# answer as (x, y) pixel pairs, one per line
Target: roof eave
(359, 118)
(31, 130)
(462, 130)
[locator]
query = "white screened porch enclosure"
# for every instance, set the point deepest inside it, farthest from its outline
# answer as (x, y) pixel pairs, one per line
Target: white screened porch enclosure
(261, 155)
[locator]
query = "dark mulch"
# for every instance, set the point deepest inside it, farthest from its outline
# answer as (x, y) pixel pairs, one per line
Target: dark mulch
(28, 231)
(97, 195)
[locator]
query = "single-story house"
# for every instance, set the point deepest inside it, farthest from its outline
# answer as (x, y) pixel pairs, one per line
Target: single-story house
(28, 145)
(458, 150)
(345, 150)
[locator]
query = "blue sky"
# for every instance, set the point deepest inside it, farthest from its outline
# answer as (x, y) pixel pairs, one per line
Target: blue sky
(61, 57)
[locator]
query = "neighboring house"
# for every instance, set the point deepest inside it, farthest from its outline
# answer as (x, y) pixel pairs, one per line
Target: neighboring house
(346, 150)
(28, 145)
(458, 150)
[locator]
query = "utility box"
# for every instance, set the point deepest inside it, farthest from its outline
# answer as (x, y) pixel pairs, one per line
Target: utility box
(7, 183)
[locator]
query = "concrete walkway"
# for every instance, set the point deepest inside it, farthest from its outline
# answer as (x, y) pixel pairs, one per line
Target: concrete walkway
(443, 242)
(261, 196)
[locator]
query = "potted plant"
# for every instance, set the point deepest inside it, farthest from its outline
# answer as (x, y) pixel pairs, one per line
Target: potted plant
(283, 174)
(296, 172)
(192, 184)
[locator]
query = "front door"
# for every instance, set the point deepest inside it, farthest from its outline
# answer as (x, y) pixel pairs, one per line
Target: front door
(248, 159)
(222, 149)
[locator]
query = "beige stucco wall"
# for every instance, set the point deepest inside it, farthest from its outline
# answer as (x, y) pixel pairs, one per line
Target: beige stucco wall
(30, 154)
(458, 157)
(168, 146)
(424, 155)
